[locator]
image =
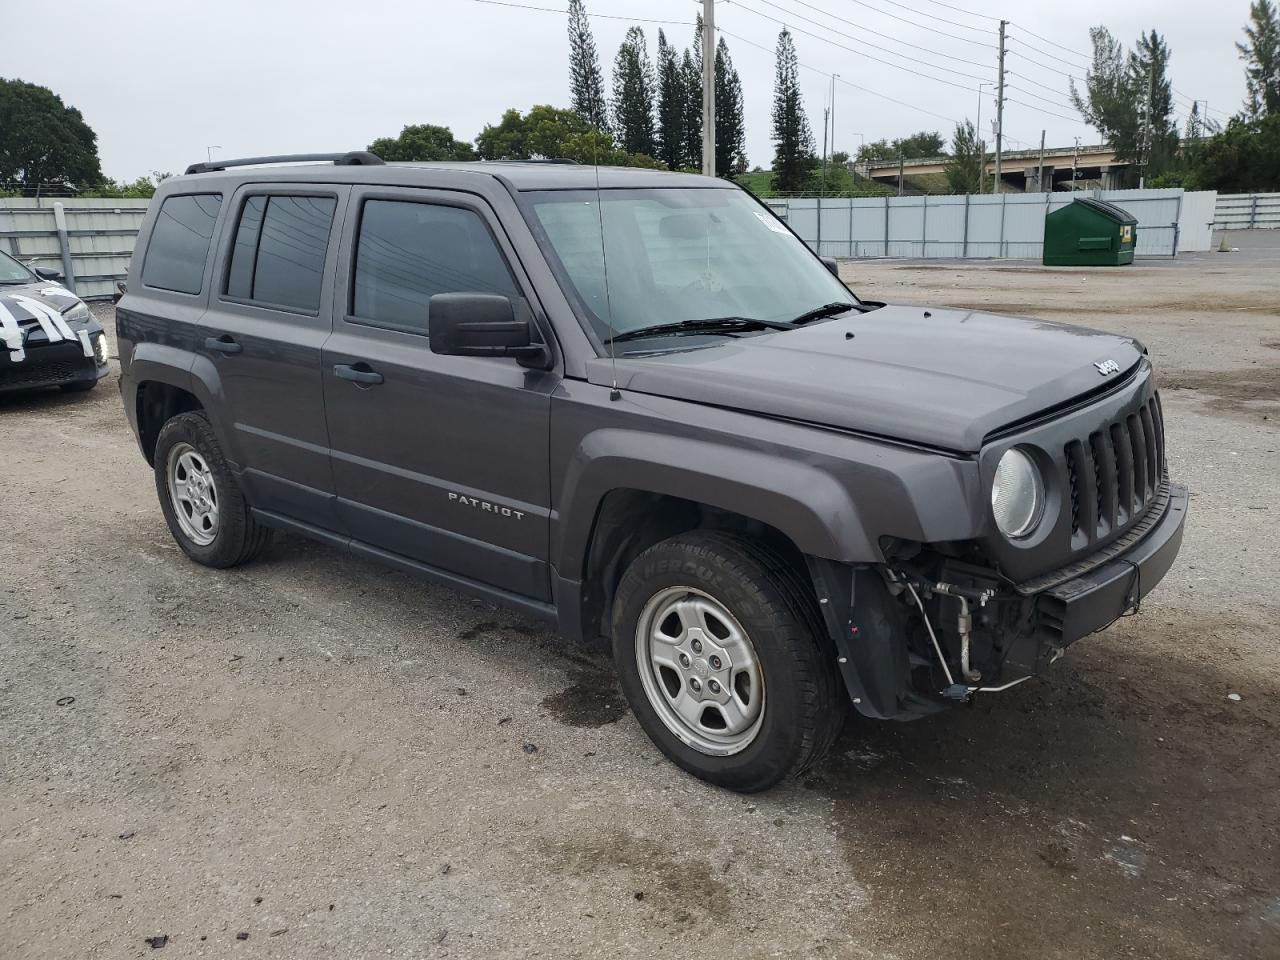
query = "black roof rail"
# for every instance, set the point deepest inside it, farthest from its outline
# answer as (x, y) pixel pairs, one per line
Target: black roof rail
(561, 160)
(352, 158)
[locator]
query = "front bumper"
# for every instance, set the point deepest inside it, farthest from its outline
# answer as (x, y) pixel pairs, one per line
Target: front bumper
(1073, 608)
(50, 365)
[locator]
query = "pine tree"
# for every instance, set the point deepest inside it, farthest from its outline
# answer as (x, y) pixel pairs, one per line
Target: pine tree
(691, 71)
(731, 131)
(1149, 76)
(633, 95)
(1261, 56)
(586, 82)
(671, 106)
(964, 168)
(793, 159)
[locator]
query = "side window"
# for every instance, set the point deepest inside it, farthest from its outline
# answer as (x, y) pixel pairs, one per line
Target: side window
(179, 243)
(278, 256)
(406, 252)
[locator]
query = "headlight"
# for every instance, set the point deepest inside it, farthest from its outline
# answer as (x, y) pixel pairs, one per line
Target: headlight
(1017, 495)
(100, 348)
(78, 314)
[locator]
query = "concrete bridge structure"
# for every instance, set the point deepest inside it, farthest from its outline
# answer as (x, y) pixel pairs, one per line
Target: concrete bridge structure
(1096, 166)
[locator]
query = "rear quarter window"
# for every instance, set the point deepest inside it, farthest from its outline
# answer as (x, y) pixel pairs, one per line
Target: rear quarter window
(178, 248)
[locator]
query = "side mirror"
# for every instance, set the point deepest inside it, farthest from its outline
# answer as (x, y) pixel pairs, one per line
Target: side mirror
(44, 273)
(832, 264)
(480, 325)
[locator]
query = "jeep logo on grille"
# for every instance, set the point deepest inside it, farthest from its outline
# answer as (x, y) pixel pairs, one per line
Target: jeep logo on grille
(1107, 366)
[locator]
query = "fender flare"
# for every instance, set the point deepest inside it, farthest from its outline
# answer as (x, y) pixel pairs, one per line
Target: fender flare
(800, 500)
(197, 375)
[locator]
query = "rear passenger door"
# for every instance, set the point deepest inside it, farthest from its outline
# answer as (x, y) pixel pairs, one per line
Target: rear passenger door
(267, 320)
(439, 459)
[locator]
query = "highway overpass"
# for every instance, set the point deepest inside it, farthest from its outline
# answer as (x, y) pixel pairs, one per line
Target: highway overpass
(1096, 166)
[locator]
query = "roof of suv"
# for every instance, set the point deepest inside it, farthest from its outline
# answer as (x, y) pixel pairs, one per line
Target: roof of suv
(515, 174)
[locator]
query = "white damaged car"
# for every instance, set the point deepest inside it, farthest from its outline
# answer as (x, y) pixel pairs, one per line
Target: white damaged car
(48, 336)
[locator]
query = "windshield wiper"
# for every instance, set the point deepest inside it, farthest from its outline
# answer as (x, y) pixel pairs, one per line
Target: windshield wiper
(16, 283)
(826, 310)
(724, 325)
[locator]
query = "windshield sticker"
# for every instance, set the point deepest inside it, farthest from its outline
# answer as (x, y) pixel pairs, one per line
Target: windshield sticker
(772, 223)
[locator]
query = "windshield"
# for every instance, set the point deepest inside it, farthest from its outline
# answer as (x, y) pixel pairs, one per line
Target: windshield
(11, 271)
(676, 255)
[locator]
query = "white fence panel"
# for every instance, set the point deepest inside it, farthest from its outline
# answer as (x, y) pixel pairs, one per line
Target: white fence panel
(1247, 211)
(1008, 225)
(100, 237)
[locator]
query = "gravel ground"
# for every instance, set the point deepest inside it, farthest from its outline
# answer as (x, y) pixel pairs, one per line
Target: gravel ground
(316, 757)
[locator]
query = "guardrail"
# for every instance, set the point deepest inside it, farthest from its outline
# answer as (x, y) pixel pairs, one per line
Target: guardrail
(1247, 211)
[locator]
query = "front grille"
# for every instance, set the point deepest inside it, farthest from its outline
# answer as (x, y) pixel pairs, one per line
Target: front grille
(1115, 474)
(38, 374)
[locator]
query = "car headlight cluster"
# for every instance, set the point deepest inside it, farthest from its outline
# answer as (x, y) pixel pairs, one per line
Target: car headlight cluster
(100, 348)
(1017, 495)
(78, 314)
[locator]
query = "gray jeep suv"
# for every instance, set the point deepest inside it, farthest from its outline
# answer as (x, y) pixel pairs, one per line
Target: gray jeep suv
(634, 404)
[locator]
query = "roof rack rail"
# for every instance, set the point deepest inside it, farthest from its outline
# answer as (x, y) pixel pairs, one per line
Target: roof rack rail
(352, 158)
(559, 160)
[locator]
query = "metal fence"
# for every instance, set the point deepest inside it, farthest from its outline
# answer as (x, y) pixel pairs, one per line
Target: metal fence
(1006, 225)
(1247, 211)
(88, 241)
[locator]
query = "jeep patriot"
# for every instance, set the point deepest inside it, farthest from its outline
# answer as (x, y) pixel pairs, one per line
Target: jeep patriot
(634, 404)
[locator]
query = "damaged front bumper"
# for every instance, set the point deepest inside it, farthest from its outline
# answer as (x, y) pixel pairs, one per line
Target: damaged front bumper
(911, 637)
(54, 365)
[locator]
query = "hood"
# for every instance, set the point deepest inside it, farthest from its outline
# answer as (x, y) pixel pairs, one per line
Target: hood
(936, 377)
(33, 313)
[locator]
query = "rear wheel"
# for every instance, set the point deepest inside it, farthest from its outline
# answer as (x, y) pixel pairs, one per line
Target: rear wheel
(204, 508)
(720, 656)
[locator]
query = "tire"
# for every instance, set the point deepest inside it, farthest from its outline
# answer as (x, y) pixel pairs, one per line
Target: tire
(80, 386)
(187, 447)
(702, 578)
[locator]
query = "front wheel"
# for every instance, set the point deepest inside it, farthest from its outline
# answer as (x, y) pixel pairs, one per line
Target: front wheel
(720, 655)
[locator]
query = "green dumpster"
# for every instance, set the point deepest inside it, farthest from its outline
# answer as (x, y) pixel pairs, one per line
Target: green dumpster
(1089, 233)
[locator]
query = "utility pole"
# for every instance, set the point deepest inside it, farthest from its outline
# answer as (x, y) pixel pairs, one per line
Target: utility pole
(1075, 166)
(982, 144)
(1146, 132)
(208, 152)
(709, 87)
(899, 171)
(826, 117)
(1040, 168)
(1000, 106)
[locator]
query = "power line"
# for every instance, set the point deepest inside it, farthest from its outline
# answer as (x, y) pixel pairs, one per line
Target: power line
(1052, 103)
(1042, 53)
(868, 56)
(842, 80)
(1049, 113)
(1042, 66)
(971, 13)
(921, 13)
(857, 26)
(1052, 43)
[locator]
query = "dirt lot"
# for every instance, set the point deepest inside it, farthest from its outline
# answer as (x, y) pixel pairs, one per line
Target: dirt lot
(316, 757)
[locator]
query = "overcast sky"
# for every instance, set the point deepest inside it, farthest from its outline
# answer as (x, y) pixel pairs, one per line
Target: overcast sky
(160, 82)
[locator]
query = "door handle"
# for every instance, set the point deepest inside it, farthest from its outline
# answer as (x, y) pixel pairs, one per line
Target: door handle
(222, 344)
(357, 373)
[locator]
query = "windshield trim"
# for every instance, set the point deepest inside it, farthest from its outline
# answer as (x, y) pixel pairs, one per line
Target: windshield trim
(526, 201)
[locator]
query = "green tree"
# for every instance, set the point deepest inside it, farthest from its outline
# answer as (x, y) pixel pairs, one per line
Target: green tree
(143, 188)
(586, 82)
(633, 95)
(671, 106)
(550, 133)
(1110, 101)
(964, 167)
(926, 143)
(793, 159)
(422, 141)
(43, 141)
(1243, 158)
(1261, 56)
(1158, 141)
(691, 72)
(731, 125)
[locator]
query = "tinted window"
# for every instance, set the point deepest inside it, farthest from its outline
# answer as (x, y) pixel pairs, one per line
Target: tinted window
(278, 256)
(179, 244)
(408, 252)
